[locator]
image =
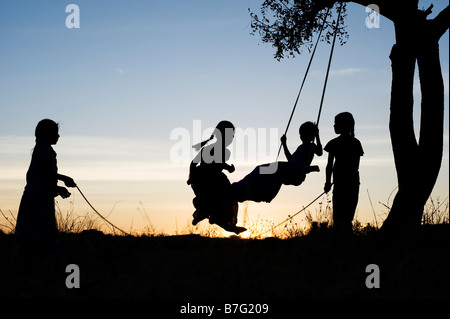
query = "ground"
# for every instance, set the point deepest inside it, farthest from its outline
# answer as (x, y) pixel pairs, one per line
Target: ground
(191, 267)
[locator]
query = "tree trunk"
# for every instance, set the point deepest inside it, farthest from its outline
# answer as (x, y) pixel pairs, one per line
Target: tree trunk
(417, 163)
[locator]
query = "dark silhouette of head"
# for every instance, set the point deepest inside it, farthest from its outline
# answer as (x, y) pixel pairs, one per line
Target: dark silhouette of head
(308, 131)
(344, 123)
(223, 132)
(47, 131)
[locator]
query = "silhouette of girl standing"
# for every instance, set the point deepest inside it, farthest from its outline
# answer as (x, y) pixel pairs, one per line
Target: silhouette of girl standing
(36, 229)
(344, 154)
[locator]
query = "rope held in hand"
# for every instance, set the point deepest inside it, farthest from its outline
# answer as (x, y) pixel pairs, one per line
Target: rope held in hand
(290, 217)
(114, 226)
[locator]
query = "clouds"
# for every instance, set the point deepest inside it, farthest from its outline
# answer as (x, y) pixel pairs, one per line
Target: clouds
(346, 71)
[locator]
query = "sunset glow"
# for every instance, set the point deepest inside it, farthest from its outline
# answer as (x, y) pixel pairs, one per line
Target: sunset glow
(123, 84)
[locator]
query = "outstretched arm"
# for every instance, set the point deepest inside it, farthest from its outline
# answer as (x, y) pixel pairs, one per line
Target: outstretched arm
(318, 151)
(285, 148)
(328, 173)
(67, 180)
(62, 191)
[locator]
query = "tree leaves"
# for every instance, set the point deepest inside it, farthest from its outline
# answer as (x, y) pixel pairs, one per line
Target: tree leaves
(290, 26)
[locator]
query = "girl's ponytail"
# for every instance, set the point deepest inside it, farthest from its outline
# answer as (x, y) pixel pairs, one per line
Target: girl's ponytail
(220, 129)
(198, 146)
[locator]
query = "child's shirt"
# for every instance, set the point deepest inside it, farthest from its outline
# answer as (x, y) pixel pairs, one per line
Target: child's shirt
(294, 173)
(347, 151)
(303, 156)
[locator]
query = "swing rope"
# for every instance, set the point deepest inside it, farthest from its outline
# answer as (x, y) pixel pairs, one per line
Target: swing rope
(290, 217)
(304, 78)
(114, 226)
(329, 65)
(307, 70)
(320, 107)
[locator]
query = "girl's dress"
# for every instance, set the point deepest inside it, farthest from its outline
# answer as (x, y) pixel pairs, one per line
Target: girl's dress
(36, 222)
(214, 195)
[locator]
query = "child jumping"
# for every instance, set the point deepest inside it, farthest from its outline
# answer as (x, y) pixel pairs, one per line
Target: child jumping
(344, 154)
(36, 229)
(264, 182)
(211, 186)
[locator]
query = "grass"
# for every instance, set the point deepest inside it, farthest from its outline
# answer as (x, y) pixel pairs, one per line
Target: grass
(9, 222)
(70, 222)
(295, 263)
(193, 267)
(436, 211)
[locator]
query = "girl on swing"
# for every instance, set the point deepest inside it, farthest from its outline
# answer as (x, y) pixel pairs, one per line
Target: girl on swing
(214, 195)
(264, 182)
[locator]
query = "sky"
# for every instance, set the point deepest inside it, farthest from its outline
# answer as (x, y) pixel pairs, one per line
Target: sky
(140, 81)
